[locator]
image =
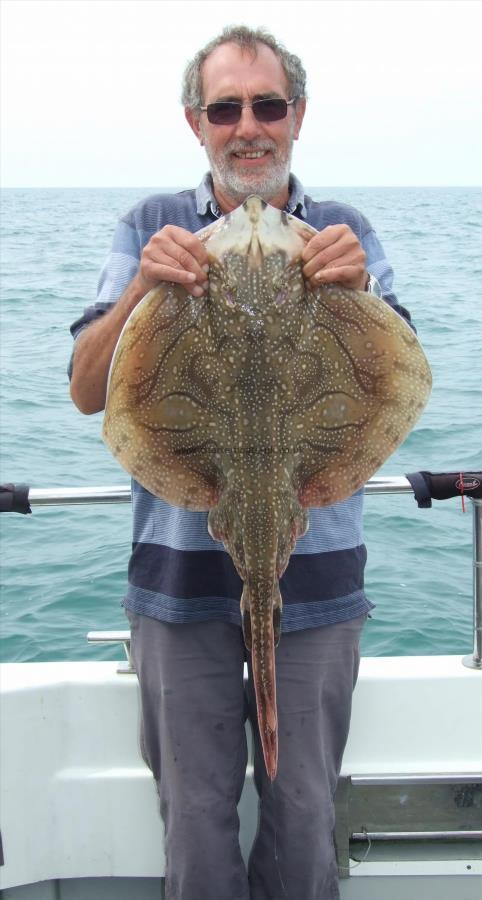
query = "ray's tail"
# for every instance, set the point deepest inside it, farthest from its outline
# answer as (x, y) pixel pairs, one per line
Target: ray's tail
(261, 629)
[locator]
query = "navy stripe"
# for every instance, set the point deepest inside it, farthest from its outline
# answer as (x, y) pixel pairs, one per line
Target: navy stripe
(208, 574)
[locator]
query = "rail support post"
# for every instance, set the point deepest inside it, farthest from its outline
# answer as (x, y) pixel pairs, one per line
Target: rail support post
(475, 661)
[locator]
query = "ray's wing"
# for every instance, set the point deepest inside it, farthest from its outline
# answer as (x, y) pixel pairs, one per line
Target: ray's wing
(362, 381)
(159, 421)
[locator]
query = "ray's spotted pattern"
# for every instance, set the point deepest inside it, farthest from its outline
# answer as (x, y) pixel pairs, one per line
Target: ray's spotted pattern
(258, 401)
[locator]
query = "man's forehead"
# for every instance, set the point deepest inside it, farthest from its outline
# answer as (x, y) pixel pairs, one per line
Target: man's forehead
(229, 66)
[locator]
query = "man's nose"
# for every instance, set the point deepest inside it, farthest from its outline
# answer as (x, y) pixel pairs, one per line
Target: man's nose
(248, 126)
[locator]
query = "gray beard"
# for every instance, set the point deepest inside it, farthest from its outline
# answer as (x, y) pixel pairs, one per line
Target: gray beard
(239, 186)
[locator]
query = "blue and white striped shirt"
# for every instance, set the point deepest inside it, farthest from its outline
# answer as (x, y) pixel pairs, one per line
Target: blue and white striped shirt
(177, 572)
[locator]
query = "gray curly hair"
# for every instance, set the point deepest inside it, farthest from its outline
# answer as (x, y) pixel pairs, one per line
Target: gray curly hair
(247, 39)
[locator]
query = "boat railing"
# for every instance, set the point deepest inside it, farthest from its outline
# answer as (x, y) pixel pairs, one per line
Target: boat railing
(425, 486)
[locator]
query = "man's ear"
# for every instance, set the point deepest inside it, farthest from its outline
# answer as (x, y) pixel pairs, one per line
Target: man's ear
(300, 110)
(194, 123)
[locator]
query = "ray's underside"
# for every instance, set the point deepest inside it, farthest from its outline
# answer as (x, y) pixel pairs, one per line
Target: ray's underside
(259, 401)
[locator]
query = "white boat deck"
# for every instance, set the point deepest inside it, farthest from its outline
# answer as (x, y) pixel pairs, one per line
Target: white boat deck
(77, 802)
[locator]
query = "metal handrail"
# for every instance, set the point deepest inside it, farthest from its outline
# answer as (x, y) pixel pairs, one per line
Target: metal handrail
(475, 661)
(115, 637)
(79, 495)
(377, 485)
(122, 493)
(417, 835)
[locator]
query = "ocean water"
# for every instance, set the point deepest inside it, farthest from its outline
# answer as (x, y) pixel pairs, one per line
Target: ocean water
(63, 569)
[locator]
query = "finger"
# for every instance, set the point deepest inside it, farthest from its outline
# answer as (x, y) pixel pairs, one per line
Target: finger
(189, 242)
(324, 260)
(184, 239)
(349, 276)
(339, 256)
(163, 267)
(325, 238)
(179, 248)
(344, 251)
(152, 273)
(179, 256)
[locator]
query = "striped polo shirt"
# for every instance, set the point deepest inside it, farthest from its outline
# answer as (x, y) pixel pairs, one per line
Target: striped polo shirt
(177, 572)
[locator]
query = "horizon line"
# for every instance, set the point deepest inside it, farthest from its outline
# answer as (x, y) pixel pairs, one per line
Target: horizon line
(167, 187)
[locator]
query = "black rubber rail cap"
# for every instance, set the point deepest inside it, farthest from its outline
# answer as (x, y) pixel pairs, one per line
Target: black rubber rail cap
(14, 498)
(428, 486)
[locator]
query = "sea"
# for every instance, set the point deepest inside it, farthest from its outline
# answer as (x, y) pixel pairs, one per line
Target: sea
(63, 569)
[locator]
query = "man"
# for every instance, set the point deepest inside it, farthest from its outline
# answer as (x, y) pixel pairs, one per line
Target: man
(183, 595)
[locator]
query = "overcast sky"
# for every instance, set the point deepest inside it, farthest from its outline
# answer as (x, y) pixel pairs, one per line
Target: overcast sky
(90, 89)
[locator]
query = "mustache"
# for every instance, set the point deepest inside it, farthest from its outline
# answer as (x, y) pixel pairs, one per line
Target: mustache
(249, 146)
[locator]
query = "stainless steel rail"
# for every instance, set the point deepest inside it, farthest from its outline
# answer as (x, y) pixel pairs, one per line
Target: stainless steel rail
(400, 807)
(122, 493)
(378, 485)
(414, 779)
(81, 495)
(475, 661)
(416, 835)
(115, 637)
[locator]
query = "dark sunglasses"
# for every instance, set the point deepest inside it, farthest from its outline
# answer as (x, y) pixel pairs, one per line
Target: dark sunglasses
(228, 112)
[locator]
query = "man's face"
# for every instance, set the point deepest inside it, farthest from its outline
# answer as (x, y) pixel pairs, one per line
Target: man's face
(231, 74)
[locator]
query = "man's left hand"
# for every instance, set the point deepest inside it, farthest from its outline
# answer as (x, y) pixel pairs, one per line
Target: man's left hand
(335, 255)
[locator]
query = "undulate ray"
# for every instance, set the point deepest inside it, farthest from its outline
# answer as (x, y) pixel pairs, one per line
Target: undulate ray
(258, 401)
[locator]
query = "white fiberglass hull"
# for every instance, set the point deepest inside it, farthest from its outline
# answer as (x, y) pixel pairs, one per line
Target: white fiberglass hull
(77, 801)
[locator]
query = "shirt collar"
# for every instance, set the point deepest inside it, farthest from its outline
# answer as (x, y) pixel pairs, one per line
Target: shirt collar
(206, 201)
(296, 199)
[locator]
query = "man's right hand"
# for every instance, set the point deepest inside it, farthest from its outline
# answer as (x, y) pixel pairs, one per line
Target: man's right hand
(174, 254)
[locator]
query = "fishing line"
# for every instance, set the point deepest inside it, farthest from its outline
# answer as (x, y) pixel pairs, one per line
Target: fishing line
(358, 862)
(348, 868)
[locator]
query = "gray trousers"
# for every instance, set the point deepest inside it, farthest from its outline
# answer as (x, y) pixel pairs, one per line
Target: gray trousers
(194, 708)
